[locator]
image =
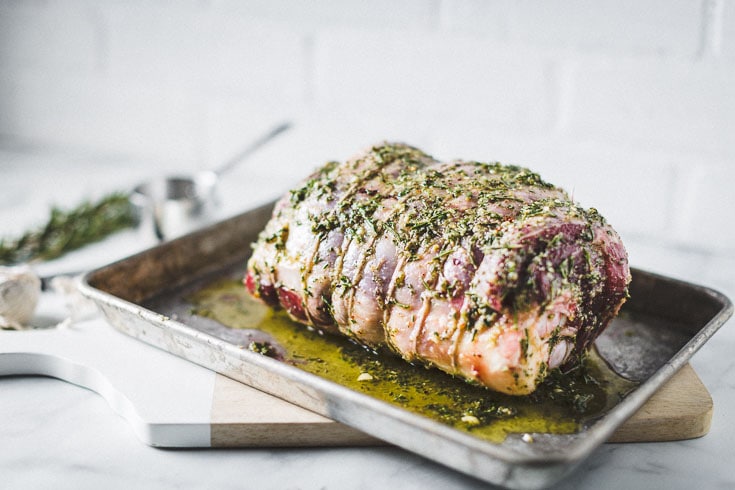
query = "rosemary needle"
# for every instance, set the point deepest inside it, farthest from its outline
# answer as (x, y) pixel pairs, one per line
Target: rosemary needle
(68, 230)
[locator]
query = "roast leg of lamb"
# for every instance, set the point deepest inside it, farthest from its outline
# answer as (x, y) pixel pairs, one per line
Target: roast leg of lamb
(482, 270)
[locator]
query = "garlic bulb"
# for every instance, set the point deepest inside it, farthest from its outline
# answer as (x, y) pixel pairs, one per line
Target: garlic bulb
(20, 289)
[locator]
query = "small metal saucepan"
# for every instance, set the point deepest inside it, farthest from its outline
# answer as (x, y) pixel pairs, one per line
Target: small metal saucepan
(177, 205)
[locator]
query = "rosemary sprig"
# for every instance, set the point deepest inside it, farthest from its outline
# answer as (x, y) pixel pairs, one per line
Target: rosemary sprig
(69, 230)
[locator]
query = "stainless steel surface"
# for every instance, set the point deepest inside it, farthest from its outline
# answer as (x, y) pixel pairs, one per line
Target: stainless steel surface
(251, 148)
(176, 205)
(141, 296)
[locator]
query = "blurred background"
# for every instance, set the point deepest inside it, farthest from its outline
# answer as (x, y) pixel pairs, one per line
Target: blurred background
(629, 105)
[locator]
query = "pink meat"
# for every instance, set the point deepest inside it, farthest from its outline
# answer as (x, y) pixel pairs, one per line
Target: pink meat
(482, 270)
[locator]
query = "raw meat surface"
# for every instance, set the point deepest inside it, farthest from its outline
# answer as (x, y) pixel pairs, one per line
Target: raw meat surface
(482, 270)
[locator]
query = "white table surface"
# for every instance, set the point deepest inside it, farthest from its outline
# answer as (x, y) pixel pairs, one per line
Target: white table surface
(57, 435)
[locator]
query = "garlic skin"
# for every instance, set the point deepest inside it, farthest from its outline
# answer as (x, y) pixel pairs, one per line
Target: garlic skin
(20, 289)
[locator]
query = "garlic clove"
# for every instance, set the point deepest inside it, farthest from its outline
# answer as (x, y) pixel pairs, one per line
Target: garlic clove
(20, 289)
(559, 354)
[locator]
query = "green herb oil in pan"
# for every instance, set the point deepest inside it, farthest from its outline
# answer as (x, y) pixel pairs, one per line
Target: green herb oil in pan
(560, 405)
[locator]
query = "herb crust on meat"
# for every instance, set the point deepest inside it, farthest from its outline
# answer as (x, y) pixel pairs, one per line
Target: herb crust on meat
(482, 270)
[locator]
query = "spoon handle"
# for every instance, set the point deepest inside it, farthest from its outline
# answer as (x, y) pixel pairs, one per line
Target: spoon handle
(251, 148)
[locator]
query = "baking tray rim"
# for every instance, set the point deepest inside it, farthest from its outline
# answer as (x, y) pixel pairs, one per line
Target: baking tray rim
(589, 438)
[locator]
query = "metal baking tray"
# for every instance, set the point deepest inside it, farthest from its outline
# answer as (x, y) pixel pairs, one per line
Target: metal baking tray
(142, 297)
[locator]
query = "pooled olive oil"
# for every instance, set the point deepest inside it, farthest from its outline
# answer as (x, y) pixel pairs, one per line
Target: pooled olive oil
(561, 405)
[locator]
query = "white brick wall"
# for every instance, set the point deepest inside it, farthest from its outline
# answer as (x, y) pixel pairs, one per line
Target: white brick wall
(49, 35)
(426, 77)
(312, 16)
(705, 202)
(650, 27)
(101, 114)
(489, 19)
(629, 104)
(725, 31)
(647, 27)
(205, 51)
(686, 106)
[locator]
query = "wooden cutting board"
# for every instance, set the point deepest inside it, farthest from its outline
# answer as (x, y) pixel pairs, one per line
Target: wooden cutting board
(243, 416)
(170, 402)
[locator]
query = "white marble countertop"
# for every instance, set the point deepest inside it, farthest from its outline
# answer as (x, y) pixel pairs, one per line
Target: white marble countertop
(57, 435)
